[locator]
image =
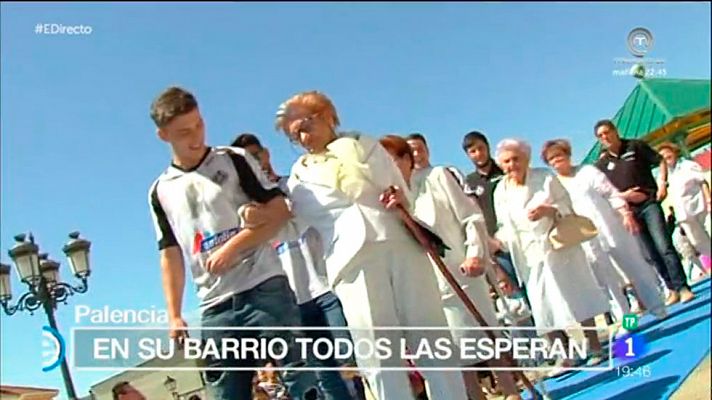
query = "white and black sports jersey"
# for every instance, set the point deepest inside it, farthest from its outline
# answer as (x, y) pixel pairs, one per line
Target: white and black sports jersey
(196, 210)
(301, 252)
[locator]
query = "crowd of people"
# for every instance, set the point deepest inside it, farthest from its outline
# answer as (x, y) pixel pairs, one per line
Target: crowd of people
(325, 246)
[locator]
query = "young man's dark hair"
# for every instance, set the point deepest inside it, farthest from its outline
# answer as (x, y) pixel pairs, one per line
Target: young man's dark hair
(171, 103)
(604, 122)
(471, 137)
(417, 136)
(246, 139)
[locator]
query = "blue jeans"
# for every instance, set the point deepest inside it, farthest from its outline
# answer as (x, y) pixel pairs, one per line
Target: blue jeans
(658, 244)
(504, 259)
(271, 303)
(322, 311)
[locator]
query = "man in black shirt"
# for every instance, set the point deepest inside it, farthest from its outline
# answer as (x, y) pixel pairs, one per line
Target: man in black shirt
(628, 165)
(480, 185)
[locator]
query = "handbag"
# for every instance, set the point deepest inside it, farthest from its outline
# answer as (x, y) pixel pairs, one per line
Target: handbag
(570, 230)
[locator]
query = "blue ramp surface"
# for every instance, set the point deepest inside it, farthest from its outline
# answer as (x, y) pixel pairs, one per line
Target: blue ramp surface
(675, 346)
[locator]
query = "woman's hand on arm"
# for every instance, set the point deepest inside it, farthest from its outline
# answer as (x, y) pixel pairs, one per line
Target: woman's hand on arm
(540, 211)
(393, 197)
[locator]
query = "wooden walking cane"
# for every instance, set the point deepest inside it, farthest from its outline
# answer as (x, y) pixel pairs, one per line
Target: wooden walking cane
(427, 244)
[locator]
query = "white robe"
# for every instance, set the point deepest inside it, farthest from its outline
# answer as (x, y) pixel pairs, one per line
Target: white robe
(441, 204)
(560, 285)
(685, 193)
(614, 250)
(378, 271)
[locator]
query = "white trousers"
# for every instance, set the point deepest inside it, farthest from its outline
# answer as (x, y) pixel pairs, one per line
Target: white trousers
(393, 284)
(697, 234)
(628, 256)
(608, 278)
(458, 316)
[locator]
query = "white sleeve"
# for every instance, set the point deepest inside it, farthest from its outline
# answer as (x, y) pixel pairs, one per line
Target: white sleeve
(503, 233)
(600, 183)
(693, 171)
(164, 233)
(467, 213)
(557, 195)
(298, 225)
(383, 171)
(459, 176)
(252, 180)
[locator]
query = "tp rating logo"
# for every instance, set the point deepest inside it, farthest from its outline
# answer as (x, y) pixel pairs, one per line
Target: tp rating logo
(630, 322)
(54, 349)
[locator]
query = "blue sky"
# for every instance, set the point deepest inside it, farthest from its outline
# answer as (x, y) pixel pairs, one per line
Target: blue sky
(79, 150)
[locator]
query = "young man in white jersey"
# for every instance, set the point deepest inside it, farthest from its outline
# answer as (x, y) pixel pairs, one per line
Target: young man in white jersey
(236, 272)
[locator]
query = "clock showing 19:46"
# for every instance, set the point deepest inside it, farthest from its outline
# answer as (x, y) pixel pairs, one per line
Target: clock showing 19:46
(627, 371)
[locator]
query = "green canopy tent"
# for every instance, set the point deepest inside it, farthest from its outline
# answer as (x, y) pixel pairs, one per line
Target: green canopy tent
(659, 110)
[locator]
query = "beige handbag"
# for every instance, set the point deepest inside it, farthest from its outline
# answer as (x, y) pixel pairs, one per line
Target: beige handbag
(571, 230)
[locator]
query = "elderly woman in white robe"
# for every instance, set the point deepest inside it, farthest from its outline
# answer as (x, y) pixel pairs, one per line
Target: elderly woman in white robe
(559, 283)
(441, 204)
(381, 275)
(615, 248)
(689, 195)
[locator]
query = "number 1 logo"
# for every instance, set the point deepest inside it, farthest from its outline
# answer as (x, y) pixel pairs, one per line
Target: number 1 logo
(629, 347)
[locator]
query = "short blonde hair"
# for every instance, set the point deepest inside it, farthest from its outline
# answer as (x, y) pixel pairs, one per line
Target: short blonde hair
(314, 101)
(561, 144)
(514, 145)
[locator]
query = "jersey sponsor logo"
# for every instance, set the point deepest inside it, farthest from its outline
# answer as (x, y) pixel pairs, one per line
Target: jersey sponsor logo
(204, 241)
(281, 247)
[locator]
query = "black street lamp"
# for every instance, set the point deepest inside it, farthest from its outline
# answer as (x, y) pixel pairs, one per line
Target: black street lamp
(45, 289)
